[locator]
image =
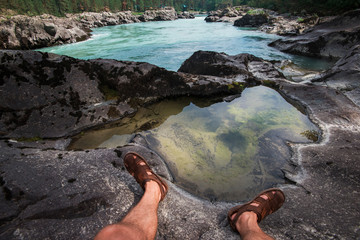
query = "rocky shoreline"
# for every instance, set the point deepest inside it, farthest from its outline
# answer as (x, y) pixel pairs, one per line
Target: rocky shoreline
(24, 32)
(266, 20)
(50, 192)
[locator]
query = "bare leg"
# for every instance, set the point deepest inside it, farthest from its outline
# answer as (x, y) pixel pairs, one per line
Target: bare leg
(248, 227)
(141, 222)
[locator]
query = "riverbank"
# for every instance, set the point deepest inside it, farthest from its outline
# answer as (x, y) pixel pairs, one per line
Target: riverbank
(25, 32)
(266, 20)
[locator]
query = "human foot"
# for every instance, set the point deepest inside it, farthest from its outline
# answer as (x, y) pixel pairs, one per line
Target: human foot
(261, 206)
(141, 171)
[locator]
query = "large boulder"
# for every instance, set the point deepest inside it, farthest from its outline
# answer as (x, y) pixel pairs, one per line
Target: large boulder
(243, 67)
(24, 32)
(251, 20)
(331, 39)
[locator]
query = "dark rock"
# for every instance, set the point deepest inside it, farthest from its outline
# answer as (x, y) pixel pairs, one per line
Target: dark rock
(50, 29)
(251, 20)
(331, 39)
(243, 67)
(211, 18)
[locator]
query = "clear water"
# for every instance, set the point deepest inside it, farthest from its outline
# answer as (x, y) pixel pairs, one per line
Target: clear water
(219, 151)
(168, 44)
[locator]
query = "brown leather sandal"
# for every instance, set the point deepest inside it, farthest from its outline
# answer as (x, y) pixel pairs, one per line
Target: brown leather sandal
(143, 173)
(275, 200)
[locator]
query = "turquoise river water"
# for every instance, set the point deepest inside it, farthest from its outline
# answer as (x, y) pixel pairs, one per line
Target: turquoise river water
(168, 44)
(217, 150)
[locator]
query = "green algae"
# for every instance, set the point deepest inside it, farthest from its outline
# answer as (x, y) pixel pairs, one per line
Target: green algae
(214, 148)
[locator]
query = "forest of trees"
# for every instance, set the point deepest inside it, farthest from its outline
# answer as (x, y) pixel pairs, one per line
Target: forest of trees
(60, 7)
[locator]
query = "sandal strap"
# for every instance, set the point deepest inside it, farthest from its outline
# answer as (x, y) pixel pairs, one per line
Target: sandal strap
(265, 206)
(143, 173)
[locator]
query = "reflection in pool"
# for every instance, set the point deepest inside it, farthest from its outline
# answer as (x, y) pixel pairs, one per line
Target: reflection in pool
(220, 151)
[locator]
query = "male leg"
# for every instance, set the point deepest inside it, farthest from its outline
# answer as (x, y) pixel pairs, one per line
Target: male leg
(141, 222)
(245, 218)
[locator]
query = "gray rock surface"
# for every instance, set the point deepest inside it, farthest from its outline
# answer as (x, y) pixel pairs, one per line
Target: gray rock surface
(285, 25)
(265, 20)
(49, 192)
(159, 15)
(331, 39)
(344, 75)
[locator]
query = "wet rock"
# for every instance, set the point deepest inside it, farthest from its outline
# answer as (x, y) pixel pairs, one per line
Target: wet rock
(251, 20)
(295, 73)
(331, 39)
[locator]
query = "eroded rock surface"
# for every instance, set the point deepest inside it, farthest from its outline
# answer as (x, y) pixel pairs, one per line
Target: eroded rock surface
(331, 39)
(49, 192)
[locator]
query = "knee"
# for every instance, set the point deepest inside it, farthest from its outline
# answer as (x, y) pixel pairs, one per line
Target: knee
(109, 232)
(117, 232)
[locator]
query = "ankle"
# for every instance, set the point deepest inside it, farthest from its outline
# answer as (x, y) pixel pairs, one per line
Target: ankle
(153, 188)
(247, 222)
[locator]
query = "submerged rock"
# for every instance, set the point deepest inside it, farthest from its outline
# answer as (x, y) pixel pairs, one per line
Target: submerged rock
(331, 39)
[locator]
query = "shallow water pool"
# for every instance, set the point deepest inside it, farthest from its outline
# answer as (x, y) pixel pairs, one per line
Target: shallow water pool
(217, 150)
